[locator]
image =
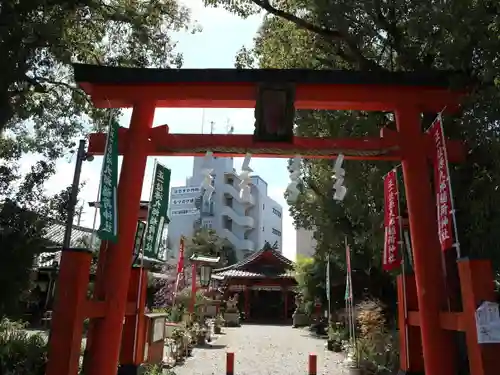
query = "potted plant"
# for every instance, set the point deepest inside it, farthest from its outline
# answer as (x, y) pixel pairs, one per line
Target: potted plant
(201, 338)
(218, 323)
(186, 343)
(193, 334)
(352, 360)
(334, 341)
(178, 335)
(199, 334)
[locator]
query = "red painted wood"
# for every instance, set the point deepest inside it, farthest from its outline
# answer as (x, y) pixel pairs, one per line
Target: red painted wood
(243, 95)
(163, 143)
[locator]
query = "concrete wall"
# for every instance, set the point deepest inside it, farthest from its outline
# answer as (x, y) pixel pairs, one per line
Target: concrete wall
(273, 222)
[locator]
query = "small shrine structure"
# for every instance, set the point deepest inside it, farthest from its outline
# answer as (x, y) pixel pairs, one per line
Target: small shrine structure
(264, 282)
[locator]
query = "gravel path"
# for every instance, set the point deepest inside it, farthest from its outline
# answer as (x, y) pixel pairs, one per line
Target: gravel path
(263, 350)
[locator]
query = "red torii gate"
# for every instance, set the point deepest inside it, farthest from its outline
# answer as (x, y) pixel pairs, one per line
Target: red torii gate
(406, 94)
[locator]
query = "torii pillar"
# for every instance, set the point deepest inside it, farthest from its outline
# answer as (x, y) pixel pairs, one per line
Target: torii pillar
(437, 343)
(105, 351)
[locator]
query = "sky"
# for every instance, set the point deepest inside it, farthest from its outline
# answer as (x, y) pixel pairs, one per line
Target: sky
(215, 47)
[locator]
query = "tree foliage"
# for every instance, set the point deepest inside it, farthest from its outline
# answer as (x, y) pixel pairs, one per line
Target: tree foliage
(206, 242)
(393, 35)
(165, 286)
(42, 111)
(22, 238)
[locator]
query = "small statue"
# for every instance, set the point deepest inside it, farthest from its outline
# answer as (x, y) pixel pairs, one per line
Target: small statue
(299, 304)
(298, 300)
(299, 316)
(232, 303)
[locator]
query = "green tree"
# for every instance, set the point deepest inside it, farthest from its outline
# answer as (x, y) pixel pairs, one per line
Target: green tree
(206, 242)
(22, 235)
(393, 35)
(308, 282)
(42, 110)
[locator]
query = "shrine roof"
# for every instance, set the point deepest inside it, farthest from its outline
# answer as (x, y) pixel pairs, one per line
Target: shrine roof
(243, 269)
(249, 274)
(95, 74)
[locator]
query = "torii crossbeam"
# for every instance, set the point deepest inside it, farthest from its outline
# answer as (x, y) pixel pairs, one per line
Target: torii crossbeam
(162, 143)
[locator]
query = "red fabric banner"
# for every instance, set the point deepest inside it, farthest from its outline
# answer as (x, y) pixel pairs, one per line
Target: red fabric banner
(180, 260)
(442, 186)
(392, 256)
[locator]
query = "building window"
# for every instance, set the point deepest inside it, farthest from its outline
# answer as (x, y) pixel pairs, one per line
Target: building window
(263, 206)
(230, 181)
(228, 224)
(276, 212)
(229, 202)
(277, 232)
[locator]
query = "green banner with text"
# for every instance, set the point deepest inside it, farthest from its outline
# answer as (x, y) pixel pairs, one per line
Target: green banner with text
(139, 235)
(108, 228)
(157, 214)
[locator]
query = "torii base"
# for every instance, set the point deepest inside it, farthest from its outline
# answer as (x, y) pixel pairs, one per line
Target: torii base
(477, 285)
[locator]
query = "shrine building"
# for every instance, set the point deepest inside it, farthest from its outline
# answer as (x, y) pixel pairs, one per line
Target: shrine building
(264, 283)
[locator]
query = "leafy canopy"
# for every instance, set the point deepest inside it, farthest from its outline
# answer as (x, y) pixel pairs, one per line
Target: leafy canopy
(42, 111)
(388, 35)
(206, 242)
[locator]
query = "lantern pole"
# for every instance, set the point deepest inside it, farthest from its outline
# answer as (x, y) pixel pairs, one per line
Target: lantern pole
(81, 156)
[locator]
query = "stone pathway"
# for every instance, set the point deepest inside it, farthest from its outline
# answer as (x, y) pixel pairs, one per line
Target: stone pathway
(263, 350)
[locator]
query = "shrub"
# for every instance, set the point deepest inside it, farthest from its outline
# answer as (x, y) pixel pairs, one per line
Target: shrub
(156, 370)
(21, 353)
(377, 347)
(165, 287)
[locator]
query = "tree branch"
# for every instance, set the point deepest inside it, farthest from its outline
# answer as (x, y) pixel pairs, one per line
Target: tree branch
(354, 54)
(395, 35)
(58, 83)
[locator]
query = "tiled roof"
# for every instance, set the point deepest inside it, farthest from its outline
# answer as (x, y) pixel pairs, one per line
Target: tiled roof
(241, 269)
(254, 258)
(80, 237)
(55, 234)
(249, 274)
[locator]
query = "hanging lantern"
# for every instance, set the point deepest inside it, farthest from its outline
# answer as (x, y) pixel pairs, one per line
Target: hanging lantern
(205, 274)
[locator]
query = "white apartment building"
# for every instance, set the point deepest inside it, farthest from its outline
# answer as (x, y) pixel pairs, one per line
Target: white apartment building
(247, 224)
(306, 244)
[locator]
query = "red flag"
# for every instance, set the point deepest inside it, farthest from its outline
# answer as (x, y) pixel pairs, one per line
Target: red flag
(180, 260)
(391, 257)
(442, 185)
